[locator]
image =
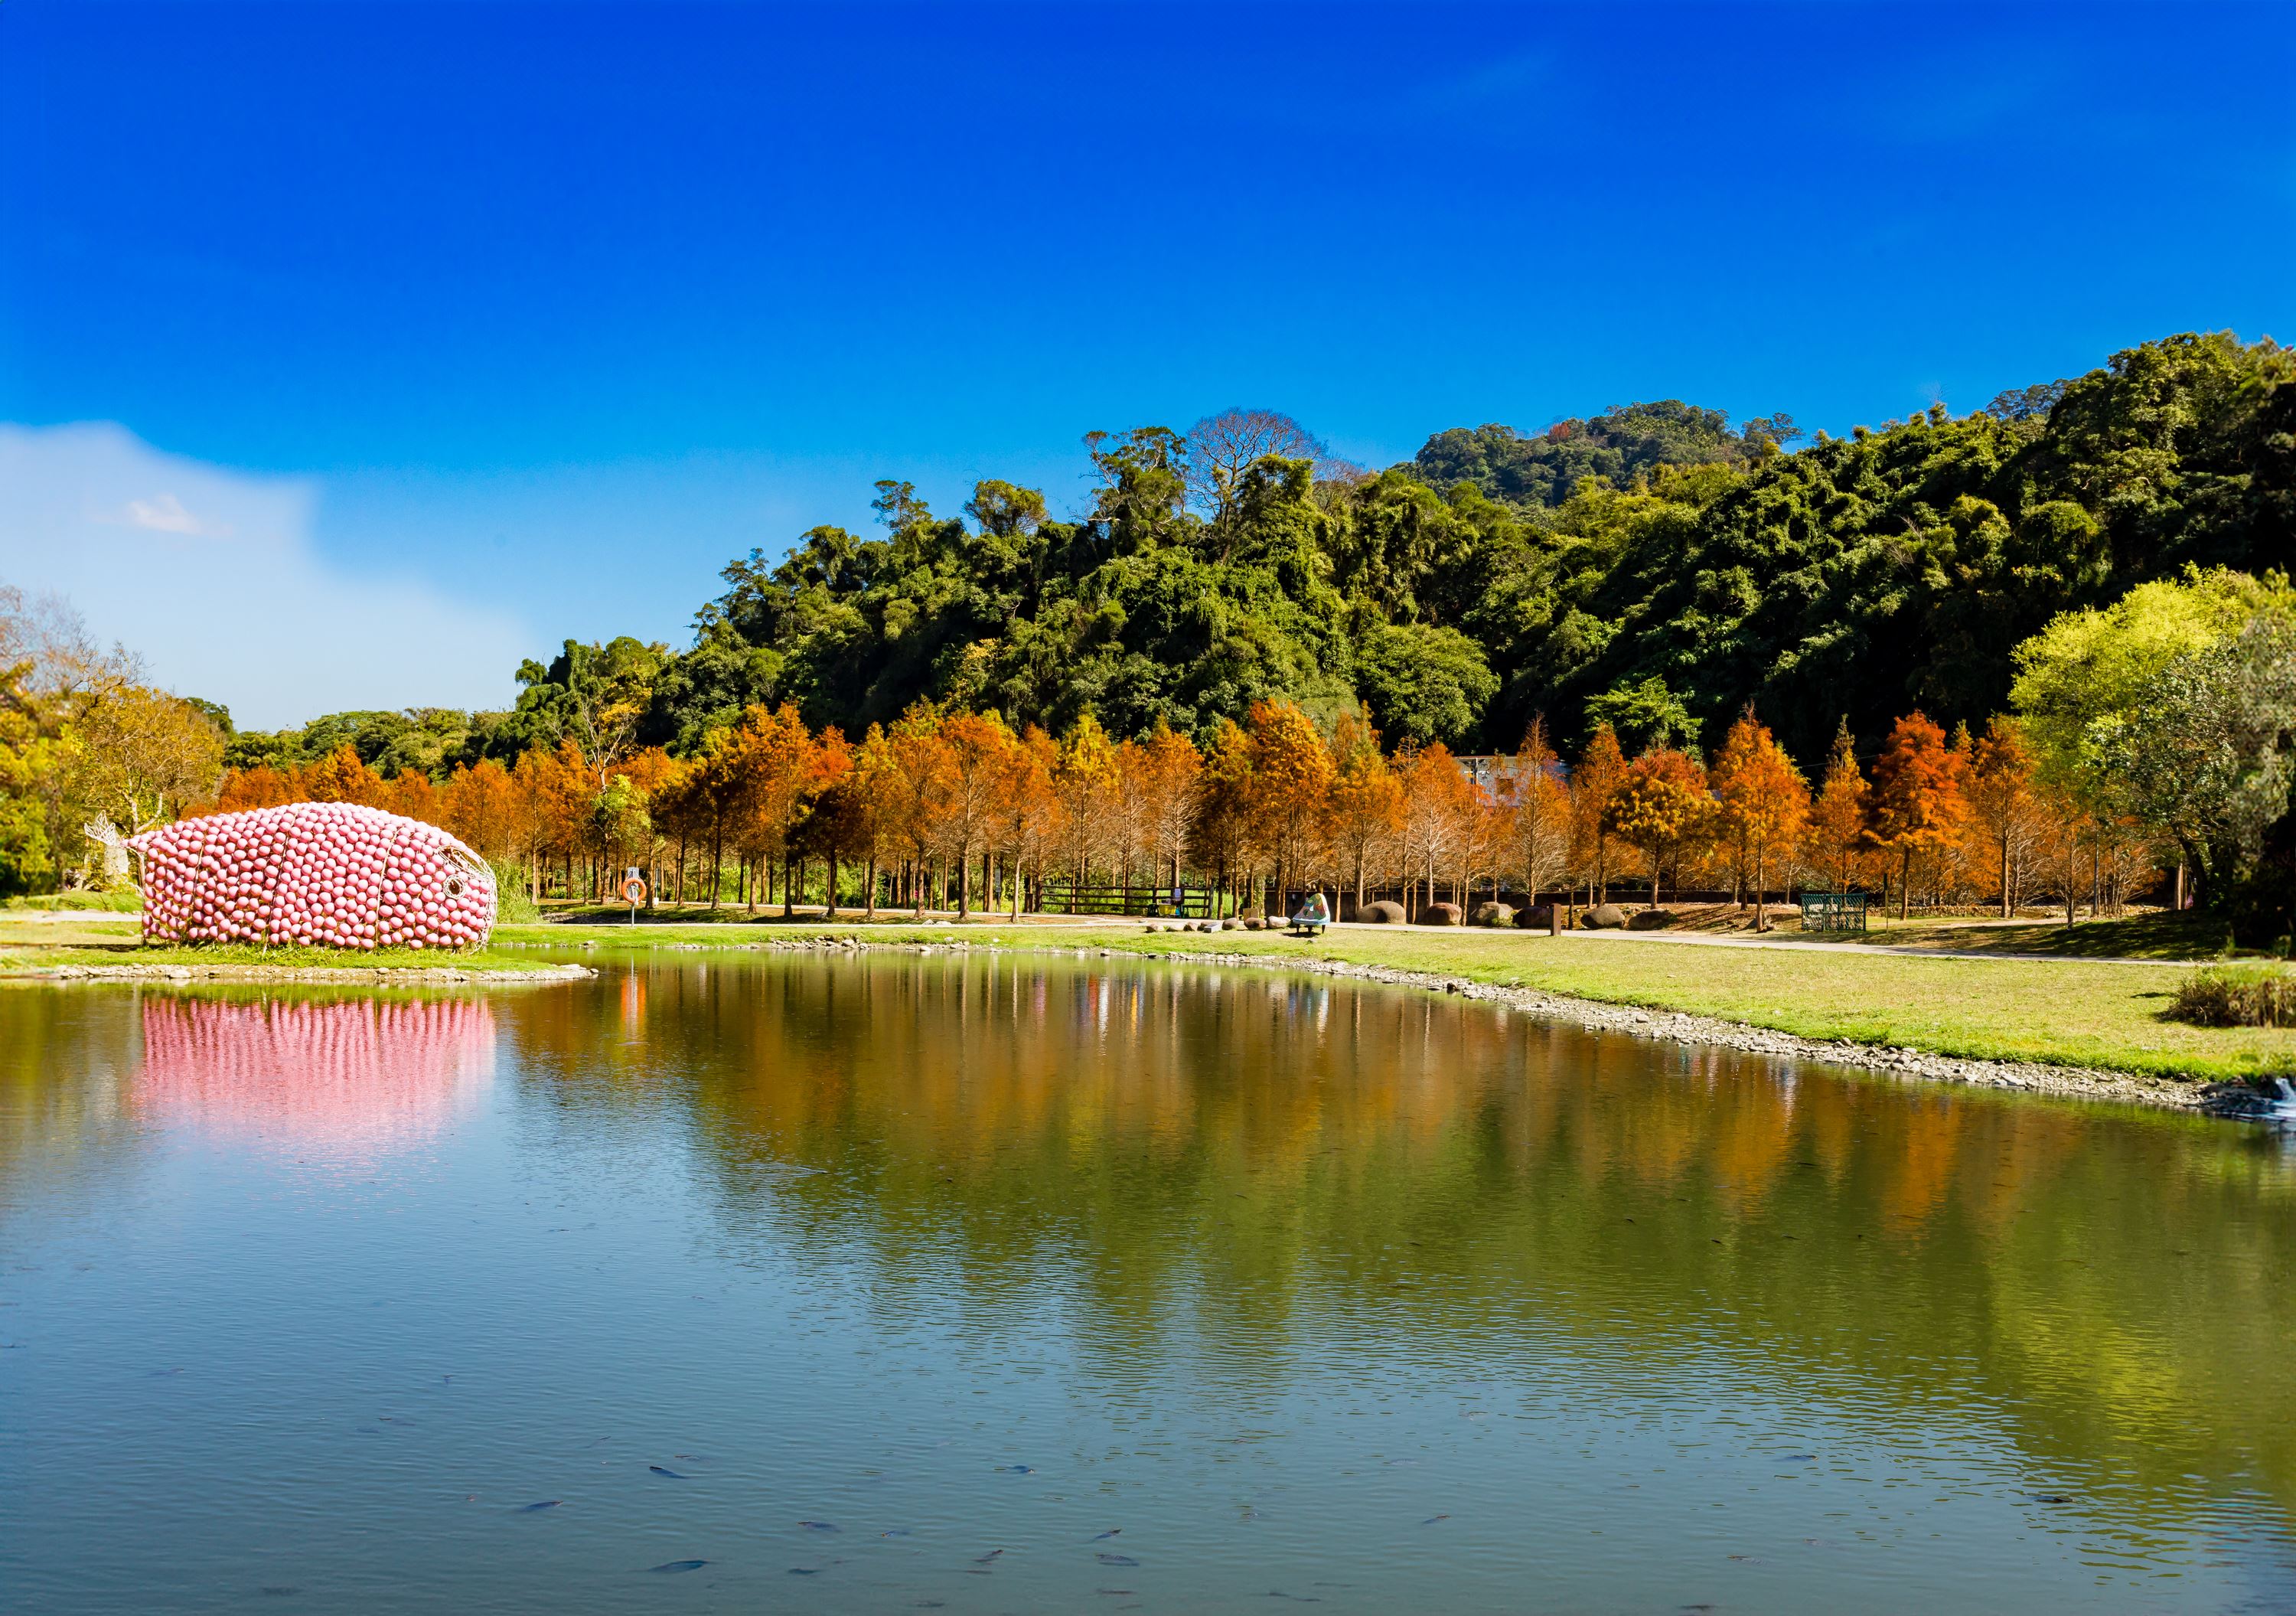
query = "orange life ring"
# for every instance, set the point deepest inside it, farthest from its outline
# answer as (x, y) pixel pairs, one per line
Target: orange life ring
(634, 889)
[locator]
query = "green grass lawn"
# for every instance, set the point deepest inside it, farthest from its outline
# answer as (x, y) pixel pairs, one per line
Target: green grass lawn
(127, 901)
(33, 946)
(2068, 1012)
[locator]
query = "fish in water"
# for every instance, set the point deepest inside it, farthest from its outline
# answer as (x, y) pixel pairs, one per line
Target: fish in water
(1110, 1532)
(1108, 1559)
(679, 1565)
(672, 1475)
(817, 1526)
(337, 873)
(546, 1504)
(986, 1558)
(1015, 1469)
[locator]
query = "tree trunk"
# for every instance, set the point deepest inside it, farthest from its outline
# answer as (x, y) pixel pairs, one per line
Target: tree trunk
(1905, 883)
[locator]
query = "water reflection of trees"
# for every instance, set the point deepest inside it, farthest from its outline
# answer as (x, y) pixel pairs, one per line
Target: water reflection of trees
(67, 1060)
(1216, 1156)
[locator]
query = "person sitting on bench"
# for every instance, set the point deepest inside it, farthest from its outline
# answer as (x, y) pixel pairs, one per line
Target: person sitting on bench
(1314, 916)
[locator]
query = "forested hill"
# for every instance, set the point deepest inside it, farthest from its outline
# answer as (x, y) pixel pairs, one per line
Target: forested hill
(1649, 565)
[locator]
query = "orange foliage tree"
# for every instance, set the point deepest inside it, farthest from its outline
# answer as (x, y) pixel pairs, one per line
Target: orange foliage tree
(2006, 809)
(1027, 820)
(1220, 827)
(1836, 827)
(1539, 820)
(976, 750)
(1441, 806)
(1661, 803)
(1366, 804)
(1290, 787)
(1917, 804)
(1602, 769)
(1166, 790)
(1765, 800)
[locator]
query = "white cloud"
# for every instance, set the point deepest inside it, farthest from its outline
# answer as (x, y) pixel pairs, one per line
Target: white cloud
(165, 513)
(266, 624)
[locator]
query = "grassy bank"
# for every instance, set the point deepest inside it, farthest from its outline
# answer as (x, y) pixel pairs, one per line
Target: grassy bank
(2065, 1011)
(35, 948)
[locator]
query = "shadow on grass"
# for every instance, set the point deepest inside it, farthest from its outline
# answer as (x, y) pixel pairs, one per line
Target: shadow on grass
(2155, 936)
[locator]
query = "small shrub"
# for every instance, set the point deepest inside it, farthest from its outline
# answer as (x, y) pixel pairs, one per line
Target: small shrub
(2232, 999)
(513, 907)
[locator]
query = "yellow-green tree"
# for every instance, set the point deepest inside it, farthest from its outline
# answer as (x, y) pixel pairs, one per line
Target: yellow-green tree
(1084, 779)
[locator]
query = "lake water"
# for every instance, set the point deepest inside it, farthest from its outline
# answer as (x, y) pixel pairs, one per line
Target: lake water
(1000, 1284)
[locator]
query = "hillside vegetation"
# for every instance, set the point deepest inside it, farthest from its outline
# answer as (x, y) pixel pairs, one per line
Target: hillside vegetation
(1649, 566)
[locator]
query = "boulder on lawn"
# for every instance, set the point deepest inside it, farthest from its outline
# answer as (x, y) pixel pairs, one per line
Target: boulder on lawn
(1386, 911)
(1494, 914)
(1534, 918)
(1440, 914)
(1604, 917)
(1650, 920)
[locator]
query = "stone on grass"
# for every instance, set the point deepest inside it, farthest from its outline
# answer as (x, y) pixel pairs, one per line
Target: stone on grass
(1494, 914)
(1650, 920)
(1386, 911)
(1440, 914)
(1604, 917)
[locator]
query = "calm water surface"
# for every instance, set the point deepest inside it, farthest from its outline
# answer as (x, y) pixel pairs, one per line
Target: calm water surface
(1006, 1285)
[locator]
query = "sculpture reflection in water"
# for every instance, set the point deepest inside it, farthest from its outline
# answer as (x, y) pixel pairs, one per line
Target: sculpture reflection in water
(347, 1078)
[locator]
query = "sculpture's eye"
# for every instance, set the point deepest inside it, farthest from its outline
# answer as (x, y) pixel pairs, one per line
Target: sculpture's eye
(454, 886)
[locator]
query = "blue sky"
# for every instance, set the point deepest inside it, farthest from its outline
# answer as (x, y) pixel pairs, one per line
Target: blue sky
(527, 320)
